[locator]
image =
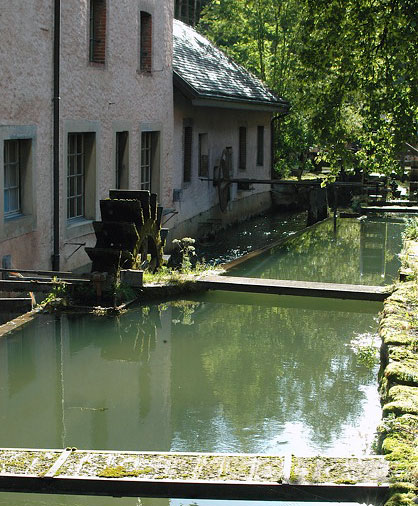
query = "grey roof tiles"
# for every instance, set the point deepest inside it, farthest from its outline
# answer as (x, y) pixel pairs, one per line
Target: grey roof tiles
(207, 73)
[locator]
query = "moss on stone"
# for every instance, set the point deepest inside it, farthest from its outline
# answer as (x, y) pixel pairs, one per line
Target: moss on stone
(403, 371)
(122, 472)
(398, 378)
(402, 399)
(399, 499)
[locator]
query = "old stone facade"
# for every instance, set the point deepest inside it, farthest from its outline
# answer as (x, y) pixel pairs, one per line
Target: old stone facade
(198, 200)
(115, 119)
(217, 105)
(122, 124)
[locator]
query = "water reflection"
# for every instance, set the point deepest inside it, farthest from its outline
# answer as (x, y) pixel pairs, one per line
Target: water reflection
(360, 252)
(250, 235)
(216, 373)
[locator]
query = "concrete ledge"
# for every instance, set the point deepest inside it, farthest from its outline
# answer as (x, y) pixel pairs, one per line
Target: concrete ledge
(194, 475)
(290, 287)
(19, 322)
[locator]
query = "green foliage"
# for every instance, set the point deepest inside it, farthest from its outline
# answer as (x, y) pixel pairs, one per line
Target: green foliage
(187, 250)
(357, 64)
(123, 293)
(173, 276)
(57, 298)
(411, 229)
(348, 68)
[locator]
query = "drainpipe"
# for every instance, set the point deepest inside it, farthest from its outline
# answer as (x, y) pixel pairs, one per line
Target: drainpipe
(272, 140)
(56, 137)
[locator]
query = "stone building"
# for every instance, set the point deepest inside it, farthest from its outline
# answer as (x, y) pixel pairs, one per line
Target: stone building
(114, 119)
(217, 105)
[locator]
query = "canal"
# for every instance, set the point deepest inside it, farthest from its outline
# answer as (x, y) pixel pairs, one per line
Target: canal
(217, 372)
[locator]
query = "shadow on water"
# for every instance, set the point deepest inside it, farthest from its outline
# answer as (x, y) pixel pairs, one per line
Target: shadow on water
(258, 232)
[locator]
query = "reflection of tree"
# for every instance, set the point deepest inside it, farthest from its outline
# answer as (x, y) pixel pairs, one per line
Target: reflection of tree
(121, 338)
(320, 255)
(270, 363)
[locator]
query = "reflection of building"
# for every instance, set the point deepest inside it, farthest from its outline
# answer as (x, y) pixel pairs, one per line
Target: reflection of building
(48, 381)
(373, 247)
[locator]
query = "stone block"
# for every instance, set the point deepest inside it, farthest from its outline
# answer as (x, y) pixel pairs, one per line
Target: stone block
(132, 277)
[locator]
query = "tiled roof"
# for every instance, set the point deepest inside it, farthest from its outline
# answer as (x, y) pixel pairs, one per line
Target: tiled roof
(207, 73)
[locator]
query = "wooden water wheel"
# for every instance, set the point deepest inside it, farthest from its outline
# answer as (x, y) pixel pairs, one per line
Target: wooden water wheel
(130, 234)
(223, 180)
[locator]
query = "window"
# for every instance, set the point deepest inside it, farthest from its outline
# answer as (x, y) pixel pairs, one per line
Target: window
(260, 145)
(146, 161)
(18, 145)
(12, 194)
(242, 148)
(187, 153)
(17, 177)
(203, 155)
(145, 44)
(75, 176)
(150, 173)
(81, 175)
(188, 11)
(97, 31)
(122, 160)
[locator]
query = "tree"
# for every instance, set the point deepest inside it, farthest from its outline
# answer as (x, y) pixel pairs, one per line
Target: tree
(263, 35)
(189, 10)
(348, 68)
(357, 63)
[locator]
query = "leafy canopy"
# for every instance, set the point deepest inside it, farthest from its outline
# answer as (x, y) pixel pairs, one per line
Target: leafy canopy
(347, 66)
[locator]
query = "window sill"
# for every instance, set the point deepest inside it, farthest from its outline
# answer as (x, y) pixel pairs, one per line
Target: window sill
(18, 224)
(77, 227)
(97, 65)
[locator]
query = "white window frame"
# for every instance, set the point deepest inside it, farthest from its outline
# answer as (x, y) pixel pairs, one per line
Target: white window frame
(83, 225)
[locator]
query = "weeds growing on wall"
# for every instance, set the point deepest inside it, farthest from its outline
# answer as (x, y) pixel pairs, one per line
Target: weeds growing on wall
(410, 232)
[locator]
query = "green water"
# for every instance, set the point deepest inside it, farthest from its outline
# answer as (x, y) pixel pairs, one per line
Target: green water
(358, 252)
(222, 372)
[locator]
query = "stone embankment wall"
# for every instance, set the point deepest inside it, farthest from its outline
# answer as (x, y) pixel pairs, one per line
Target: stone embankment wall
(398, 379)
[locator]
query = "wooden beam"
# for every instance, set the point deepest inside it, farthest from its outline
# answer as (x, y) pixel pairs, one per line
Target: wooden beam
(10, 285)
(195, 475)
(389, 209)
